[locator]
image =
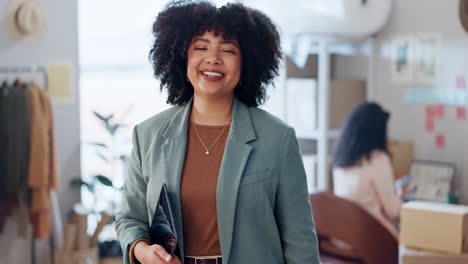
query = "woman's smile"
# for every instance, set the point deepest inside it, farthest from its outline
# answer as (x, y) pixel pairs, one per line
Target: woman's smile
(212, 75)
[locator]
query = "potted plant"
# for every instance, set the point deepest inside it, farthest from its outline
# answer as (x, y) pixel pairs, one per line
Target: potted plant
(105, 188)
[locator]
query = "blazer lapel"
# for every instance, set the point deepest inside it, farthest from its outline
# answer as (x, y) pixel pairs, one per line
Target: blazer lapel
(173, 156)
(234, 160)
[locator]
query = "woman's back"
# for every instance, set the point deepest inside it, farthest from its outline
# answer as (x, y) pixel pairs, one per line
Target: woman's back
(370, 184)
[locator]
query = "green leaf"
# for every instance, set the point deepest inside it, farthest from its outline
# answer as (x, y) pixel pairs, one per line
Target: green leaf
(102, 156)
(124, 157)
(104, 180)
(113, 128)
(103, 145)
(103, 118)
(76, 181)
(80, 182)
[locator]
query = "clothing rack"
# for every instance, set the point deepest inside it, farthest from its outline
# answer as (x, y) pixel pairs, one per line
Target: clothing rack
(26, 70)
(18, 70)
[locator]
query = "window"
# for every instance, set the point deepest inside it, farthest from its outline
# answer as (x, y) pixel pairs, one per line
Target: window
(115, 78)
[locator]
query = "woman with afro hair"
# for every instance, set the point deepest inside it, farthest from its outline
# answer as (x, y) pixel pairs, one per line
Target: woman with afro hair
(234, 173)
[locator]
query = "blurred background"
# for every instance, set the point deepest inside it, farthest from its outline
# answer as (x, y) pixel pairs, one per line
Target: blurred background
(90, 59)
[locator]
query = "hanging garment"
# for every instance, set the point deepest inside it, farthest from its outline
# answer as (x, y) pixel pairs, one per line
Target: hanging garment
(9, 183)
(42, 175)
(14, 143)
(18, 142)
(3, 151)
(22, 160)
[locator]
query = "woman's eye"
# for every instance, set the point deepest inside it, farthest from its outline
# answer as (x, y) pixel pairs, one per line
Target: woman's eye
(230, 51)
(200, 48)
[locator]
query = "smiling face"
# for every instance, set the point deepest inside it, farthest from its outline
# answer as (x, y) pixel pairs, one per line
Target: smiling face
(214, 65)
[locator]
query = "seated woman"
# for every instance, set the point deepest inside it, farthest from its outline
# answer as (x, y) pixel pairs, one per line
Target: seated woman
(362, 170)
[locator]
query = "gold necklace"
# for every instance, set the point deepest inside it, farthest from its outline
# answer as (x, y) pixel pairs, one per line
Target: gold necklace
(207, 152)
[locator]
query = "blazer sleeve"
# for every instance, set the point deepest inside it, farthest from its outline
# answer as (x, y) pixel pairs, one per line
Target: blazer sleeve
(293, 211)
(131, 221)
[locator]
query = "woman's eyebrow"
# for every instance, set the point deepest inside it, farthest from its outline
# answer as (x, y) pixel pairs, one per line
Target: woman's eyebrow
(230, 42)
(222, 42)
(201, 39)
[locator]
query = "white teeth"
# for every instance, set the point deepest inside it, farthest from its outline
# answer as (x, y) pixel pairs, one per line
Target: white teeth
(214, 74)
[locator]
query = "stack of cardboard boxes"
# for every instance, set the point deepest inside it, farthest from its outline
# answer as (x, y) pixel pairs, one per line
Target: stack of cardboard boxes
(433, 233)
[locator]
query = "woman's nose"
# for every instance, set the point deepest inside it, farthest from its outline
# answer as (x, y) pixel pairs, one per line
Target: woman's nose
(213, 58)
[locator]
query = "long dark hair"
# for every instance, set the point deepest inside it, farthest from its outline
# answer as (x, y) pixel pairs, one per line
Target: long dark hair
(364, 131)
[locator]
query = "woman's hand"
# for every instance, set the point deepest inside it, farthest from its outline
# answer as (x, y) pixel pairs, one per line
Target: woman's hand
(153, 254)
(402, 185)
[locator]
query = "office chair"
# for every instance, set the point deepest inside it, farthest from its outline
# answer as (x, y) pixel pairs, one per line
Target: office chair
(346, 221)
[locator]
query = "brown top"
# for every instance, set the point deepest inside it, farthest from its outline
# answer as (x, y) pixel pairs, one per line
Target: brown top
(198, 190)
(43, 168)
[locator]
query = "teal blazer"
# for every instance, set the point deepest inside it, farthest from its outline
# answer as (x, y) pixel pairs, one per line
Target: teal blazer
(263, 207)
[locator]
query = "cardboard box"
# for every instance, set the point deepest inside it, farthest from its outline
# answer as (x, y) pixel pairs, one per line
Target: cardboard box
(309, 70)
(415, 256)
(345, 95)
(402, 155)
(435, 227)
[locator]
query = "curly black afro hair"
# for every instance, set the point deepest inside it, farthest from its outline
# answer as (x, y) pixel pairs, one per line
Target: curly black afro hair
(182, 20)
(364, 131)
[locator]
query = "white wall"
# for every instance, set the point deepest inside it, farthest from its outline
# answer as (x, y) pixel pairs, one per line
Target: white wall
(60, 43)
(407, 120)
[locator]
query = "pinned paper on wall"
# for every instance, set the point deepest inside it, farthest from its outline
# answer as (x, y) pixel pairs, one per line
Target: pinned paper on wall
(402, 65)
(455, 97)
(440, 140)
(429, 125)
(461, 113)
(60, 82)
(416, 57)
(426, 51)
(460, 82)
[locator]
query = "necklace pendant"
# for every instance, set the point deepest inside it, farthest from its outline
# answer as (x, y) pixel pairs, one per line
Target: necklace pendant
(207, 152)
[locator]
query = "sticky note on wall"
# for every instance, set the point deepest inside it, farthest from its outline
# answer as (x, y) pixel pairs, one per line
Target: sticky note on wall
(439, 111)
(460, 82)
(59, 77)
(430, 112)
(440, 141)
(429, 125)
(461, 113)
(435, 111)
